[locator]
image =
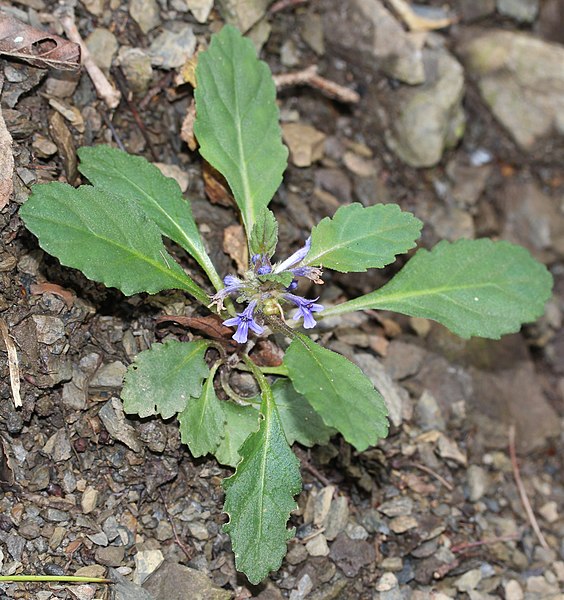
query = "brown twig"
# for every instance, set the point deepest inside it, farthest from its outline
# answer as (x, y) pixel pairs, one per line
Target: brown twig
(307, 466)
(310, 77)
(105, 90)
(122, 85)
(161, 84)
(468, 545)
(522, 493)
(180, 543)
(115, 134)
(434, 474)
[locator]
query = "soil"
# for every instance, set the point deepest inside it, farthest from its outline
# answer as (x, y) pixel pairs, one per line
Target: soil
(434, 509)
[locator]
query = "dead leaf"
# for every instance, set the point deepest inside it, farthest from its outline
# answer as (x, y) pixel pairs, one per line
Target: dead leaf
(267, 354)
(13, 362)
(210, 325)
(6, 160)
(38, 48)
(62, 137)
(418, 484)
(71, 113)
(187, 128)
(215, 186)
(6, 469)
(235, 245)
(187, 73)
(52, 288)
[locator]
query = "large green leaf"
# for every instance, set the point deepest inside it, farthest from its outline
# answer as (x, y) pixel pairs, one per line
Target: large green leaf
(108, 237)
(240, 422)
(260, 496)
(202, 422)
(160, 197)
(237, 121)
(299, 420)
(359, 238)
(338, 390)
(162, 379)
(473, 287)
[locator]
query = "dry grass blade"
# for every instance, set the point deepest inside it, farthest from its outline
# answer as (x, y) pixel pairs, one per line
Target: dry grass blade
(522, 493)
(310, 77)
(38, 48)
(13, 363)
(6, 160)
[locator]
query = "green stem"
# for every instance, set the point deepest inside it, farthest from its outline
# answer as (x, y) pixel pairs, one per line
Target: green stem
(60, 578)
(266, 390)
(280, 370)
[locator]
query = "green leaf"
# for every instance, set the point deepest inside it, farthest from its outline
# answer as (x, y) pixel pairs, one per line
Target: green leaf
(202, 422)
(237, 121)
(240, 422)
(338, 390)
(359, 238)
(300, 422)
(473, 287)
(108, 237)
(264, 235)
(284, 279)
(162, 379)
(260, 496)
(160, 197)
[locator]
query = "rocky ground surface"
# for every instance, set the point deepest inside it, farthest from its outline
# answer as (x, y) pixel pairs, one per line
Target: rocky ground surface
(463, 125)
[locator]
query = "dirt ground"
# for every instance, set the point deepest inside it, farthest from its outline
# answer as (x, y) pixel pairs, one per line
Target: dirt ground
(436, 510)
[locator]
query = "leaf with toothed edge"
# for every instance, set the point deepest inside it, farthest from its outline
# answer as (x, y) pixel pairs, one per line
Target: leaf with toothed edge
(162, 379)
(260, 496)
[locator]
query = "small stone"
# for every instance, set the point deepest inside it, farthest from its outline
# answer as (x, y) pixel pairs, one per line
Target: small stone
(540, 586)
(312, 33)
(513, 590)
(146, 562)
(110, 556)
(29, 529)
(558, 567)
(94, 7)
(322, 505)
(109, 375)
(478, 482)
(359, 165)
(113, 418)
(200, 9)
(58, 446)
(356, 531)
(524, 11)
(476, 9)
(243, 14)
(136, 66)
(54, 515)
(304, 587)
(549, 512)
(89, 500)
(317, 546)
(387, 582)
(170, 50)
(40, 478)
(103, 46)
(145, 13)
(177, 582)
(198, 530)
(42, 146)
(337, 517)
(49, 329)
(289, 55)
(164, 531)
(91, 571)
(57, 537)
(392, 563)
(176, 173)
(428, 414)
(449, 449)
(396, 507)
(402, 524)
(100, 538)
(469, 580)
(306, 144)
(297, 554)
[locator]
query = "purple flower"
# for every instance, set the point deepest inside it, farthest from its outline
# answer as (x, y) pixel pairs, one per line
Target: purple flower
(313, 273)
(232, 284)
(294, 259)
(244, 321)
(306, 308)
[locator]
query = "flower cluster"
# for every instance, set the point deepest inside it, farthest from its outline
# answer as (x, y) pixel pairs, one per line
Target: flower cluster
(265, 288)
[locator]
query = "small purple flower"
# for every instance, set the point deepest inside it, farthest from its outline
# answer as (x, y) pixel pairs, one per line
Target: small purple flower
(306, 308)
(313, 273)
(294, 259)
(244, 321)
(232, 284)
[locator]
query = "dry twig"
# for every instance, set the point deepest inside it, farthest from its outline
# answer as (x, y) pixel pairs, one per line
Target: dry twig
(105, 90)
(284, 4)
(13, 364)
(180, 543)
(438, 477)
(468, 545)
(522, 493)
(310, 77)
